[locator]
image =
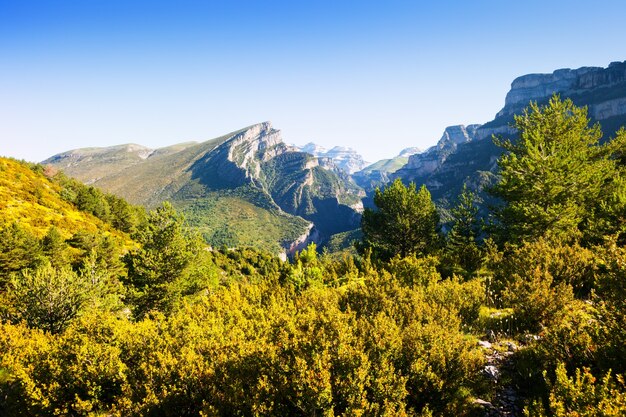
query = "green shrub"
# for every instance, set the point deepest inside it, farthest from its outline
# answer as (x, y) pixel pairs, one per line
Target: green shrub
(582, 396)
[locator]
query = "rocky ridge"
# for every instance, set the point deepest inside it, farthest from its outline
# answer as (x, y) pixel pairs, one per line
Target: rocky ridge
(467, 154)
(430, 160)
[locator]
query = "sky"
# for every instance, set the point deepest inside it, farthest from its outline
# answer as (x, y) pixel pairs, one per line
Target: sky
(377, 76)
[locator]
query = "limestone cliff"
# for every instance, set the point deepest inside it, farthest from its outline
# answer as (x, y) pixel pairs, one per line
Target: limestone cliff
(467, 155)
(433, 158)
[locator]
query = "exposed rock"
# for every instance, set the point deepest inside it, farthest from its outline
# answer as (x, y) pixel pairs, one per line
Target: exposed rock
(539, 87)
(430, 160)
(491, 371)
(469, 156)
(310, 236)
(483, 403)
(484, 344)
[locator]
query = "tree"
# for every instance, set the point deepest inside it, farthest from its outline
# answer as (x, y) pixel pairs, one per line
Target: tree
(406, 222)
(462, 240)
(55, 248)
(552, 175)
(155, 269)
(18, 250)
(47, 298)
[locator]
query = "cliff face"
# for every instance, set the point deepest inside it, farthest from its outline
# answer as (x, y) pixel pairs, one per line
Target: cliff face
(467, 154)
(539, 87)
(432, 159)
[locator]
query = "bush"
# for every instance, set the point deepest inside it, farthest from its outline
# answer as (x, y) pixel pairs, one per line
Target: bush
(582, 396)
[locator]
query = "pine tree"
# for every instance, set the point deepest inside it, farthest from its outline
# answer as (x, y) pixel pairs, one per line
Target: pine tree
(18, 250)
(551, 175)
(55, 248)
(462, 240)
(406, 222)
(155, 269)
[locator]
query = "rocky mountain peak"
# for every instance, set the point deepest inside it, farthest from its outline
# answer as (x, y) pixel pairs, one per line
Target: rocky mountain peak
(312, 148)
(455, 135)
(258, 142)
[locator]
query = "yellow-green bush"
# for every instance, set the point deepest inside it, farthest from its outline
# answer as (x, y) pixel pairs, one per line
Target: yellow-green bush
(582, 395)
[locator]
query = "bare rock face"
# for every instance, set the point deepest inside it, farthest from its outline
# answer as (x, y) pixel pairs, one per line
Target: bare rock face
(567, 82)
(430, 160)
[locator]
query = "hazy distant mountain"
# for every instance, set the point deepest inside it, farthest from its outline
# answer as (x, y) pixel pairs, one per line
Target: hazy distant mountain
(244, 188)
(344, 158)
(378, 173)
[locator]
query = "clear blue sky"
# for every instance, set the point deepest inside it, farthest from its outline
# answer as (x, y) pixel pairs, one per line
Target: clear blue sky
(374, 75)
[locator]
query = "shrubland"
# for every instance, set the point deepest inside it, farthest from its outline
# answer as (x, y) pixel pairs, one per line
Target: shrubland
(133, 314)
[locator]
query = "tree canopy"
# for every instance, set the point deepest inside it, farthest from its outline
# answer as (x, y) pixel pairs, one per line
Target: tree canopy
(405, 223)
(552, 175)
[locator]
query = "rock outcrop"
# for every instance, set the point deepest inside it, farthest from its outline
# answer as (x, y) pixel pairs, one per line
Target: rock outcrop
(568, 82)
(433, 158)
(467, 155)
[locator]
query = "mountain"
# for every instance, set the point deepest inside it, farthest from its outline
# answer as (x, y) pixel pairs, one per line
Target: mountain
(466, 154)
(246, 188)
(409, 151)
(346, 159)
(378, 173)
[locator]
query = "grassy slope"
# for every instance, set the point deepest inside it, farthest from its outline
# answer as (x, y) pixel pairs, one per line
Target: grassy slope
(387, 165)
(29, 198)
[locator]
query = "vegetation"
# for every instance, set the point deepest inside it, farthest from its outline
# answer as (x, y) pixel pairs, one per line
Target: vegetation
(98, 321)
(405, 223)
(242, 218)
(556, 175)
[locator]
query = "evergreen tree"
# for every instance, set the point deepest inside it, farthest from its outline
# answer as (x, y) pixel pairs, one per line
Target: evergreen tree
(55, 248)
(406, 222)
(552, 175)
(155, 270)
(462, 240)
(18, 250)
(46, 297)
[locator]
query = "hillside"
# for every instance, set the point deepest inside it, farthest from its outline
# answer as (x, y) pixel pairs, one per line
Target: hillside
(275, 194)
(30, 198)
(378, 173)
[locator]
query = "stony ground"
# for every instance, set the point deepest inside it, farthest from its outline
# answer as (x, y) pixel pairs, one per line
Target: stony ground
(499, 363)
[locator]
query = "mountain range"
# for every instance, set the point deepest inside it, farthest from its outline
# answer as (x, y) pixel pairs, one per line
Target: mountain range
(246, 188)
(249, 188)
